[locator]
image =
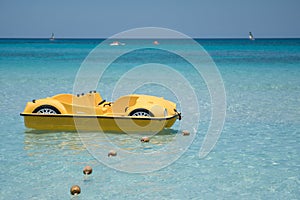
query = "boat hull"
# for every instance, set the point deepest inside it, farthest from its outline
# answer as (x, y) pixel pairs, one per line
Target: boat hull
(97, 123)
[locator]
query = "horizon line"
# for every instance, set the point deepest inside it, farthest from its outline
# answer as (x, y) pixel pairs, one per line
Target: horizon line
(91, 38)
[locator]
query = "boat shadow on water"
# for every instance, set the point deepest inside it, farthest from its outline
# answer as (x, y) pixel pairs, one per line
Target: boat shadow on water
(50, 142)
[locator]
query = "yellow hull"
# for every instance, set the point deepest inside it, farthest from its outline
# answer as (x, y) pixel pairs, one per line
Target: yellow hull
(66, 122)
(89, 112)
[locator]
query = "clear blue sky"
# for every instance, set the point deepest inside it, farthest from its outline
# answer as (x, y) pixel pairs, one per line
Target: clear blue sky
(104, 18)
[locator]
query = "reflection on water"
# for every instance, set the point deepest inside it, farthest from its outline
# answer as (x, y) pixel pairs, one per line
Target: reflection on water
(41, 142)
(127, 142)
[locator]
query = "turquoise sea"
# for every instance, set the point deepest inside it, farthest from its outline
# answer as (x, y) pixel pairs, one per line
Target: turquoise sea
(256, 157)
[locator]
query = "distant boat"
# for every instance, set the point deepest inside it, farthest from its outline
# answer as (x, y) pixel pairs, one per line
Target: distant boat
(251, 37)
(52, 37)
(116, 43)
(156, 42)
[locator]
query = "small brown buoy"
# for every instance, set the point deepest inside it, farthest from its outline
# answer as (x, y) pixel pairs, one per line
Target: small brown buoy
(87, 170)
(185, 132)
(112, 153)
(75, 190)
(145, 139)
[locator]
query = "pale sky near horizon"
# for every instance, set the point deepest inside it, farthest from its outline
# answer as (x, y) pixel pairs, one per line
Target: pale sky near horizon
(195, 18)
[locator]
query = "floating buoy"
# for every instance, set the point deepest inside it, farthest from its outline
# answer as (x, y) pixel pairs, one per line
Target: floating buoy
(87, 170)
(75, 190)
(185, 132)
(145, 139)
(112, 153)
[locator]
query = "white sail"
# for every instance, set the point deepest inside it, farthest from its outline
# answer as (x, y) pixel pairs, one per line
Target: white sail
(251, 36)
(52, 36)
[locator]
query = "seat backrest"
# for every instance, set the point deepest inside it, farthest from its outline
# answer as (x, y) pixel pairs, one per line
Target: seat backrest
(124, 102)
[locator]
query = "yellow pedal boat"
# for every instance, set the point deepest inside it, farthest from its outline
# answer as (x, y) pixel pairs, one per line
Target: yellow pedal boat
(89, 112)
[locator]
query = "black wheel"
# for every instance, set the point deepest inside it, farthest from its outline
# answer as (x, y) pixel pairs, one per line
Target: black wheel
(47, 110)
(141, 113)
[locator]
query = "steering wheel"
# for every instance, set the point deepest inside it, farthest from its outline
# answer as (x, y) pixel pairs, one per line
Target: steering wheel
(107, 104)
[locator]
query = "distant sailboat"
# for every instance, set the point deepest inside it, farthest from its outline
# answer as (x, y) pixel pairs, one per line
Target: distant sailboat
(52, 37)
(251, 37)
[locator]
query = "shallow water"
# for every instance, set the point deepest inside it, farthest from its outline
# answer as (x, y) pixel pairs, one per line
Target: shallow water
(256, 157)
